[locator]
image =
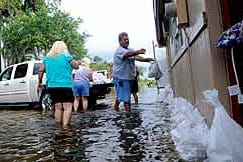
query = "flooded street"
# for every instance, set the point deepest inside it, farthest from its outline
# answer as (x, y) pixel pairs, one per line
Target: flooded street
(100, 135)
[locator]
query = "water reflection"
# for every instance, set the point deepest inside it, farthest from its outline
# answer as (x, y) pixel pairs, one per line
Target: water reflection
(129, 124)
(68, 145)
(24, 137)
(100, 135)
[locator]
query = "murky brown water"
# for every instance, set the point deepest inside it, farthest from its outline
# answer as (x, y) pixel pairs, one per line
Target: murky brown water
(96, 136)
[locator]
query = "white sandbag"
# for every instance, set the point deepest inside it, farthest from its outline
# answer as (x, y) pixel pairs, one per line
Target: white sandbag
(225, 142)
(170, 97)
(190, 131)
(188, 141)
(165, 94)
(154, 71)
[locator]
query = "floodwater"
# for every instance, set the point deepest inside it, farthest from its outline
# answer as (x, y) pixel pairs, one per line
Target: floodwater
(100, 135)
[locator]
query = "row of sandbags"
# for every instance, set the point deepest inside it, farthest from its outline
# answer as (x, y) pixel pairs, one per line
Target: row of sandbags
(194, 141)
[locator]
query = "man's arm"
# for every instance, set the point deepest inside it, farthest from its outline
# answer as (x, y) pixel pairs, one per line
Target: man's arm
(134, 53)
(142, 59)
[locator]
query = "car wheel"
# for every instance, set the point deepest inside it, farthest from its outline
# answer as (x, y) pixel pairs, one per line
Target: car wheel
(45, 102)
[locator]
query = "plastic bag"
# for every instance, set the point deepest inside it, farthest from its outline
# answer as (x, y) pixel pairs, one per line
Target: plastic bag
(165, 93)
(170, 95)
(190, 131)
(188, 141)
(154, 71)
(225, 142)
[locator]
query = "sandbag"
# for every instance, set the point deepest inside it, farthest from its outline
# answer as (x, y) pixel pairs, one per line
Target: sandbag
(190, 131)
(225, 140)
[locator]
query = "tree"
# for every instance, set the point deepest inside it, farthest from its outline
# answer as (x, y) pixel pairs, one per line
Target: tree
(101, 66)
(98, 59)
(10, 7)
(35, 30)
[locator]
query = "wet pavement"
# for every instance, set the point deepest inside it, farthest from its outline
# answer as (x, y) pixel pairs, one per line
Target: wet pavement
(100, 135)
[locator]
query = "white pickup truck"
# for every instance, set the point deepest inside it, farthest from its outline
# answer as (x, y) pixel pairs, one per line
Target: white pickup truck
(18, 86)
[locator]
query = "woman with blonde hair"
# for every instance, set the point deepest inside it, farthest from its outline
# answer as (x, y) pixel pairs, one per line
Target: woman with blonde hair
(82, 77)
(58, 65)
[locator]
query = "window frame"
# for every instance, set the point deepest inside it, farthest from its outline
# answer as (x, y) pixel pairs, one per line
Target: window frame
(2, 74)
(35, 72)
(16, 72)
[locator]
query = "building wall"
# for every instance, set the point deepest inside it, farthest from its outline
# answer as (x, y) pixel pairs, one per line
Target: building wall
(202, 71)
(195, 8)
(196, 65)
(220, 72)
(182, 81)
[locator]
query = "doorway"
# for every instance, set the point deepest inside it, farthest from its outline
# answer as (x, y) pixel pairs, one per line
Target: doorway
(232, 12)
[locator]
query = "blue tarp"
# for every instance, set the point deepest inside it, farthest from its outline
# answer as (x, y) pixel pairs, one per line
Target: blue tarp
(232, 37)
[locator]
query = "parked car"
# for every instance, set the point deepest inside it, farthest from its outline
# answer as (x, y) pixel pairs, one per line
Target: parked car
(18, 86)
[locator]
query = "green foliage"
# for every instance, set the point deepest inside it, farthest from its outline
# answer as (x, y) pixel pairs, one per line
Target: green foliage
(10, 7)
(35, 32)
(141, 70)
(98, 59)
(65, 28)
(146, 83)
(101, 66)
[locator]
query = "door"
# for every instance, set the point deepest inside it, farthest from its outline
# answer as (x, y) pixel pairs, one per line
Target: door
(33, 82)
(20, 93)
(5, 83)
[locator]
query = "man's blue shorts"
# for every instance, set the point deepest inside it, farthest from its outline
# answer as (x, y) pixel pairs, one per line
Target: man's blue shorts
(123, 90)
(81, 89)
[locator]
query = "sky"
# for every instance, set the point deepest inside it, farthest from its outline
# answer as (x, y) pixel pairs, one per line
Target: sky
(105, 19)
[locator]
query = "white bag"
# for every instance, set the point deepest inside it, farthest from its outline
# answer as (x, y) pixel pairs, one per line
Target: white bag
(165, 93)
(154, 71)
(188, 141)
(225, 142)
(190, 130)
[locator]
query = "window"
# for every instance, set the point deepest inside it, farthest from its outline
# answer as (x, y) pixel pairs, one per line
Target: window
(6, 75)
(36, 68)
(21, 71)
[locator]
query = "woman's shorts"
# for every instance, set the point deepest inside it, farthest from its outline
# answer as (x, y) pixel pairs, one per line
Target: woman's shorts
(81, 89)
(60, 95)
